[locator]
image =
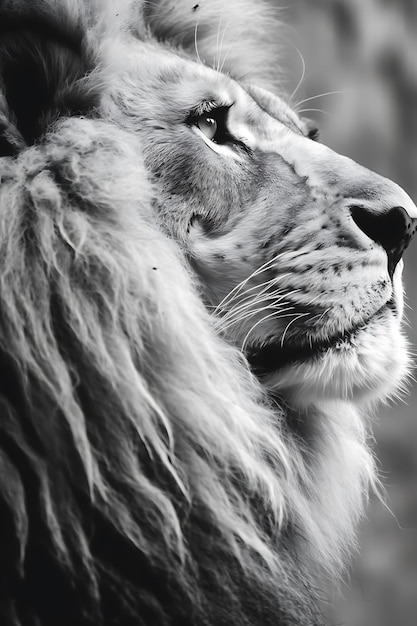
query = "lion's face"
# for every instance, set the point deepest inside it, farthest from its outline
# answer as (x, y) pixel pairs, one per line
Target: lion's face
(297, 248)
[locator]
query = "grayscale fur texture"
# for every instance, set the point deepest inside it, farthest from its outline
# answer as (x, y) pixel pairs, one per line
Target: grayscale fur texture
(149, 474)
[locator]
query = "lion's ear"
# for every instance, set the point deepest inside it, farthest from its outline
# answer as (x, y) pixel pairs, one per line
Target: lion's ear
(41, 59)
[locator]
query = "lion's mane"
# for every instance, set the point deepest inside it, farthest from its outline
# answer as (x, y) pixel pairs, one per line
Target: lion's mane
(146, 477)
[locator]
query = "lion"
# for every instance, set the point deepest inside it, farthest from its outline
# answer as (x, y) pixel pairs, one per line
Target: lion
(200, 304)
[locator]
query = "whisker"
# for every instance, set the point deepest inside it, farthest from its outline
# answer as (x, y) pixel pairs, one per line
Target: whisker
(277, 299)
(303, 73)
(320, 95)
(254, 69)
(236, 290)
(247, 294)
(320, 316)
(231, 46)
(314, 111)
(288, 326)
(273, 314)
(195, 43)
(259, 270)
(217, 62)
(233, 296)
(277, 309)
(220, 67)
(235, 313)
(251, 301)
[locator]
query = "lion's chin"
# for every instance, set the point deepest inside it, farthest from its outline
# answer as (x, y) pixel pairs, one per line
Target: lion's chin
(363, 364)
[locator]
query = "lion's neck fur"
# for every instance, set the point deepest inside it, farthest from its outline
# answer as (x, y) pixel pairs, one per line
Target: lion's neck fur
(339, 472)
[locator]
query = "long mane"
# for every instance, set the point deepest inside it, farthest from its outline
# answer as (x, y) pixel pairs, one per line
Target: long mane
(143, 466)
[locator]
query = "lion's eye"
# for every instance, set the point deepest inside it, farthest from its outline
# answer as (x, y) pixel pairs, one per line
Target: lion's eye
(207, 125)
(213, 125)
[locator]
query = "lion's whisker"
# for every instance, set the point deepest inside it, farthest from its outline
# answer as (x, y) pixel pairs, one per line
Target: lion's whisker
(220, 66)
(259, 270)
(315, 111)
(288, 326)
(320, 95)
(236, 291)
(251, 71)
(217, 62)
(273, 297)
(263, 319)
(255, 297)
(248, 314)
(303, 73)
(277, 299)
(236, 37)
(195, 43)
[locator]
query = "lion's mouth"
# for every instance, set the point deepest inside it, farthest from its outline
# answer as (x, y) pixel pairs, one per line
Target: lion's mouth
(274, 356)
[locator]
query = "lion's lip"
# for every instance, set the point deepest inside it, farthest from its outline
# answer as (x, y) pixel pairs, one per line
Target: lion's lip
(274, 356)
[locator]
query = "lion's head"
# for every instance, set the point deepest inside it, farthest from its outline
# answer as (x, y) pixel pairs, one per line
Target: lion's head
(196, 299)
(297, 248)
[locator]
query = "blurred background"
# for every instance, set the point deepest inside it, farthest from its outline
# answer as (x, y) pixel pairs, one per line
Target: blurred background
(367, 49)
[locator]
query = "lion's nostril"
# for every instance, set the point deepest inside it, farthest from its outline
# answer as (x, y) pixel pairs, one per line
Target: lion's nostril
(392, 230)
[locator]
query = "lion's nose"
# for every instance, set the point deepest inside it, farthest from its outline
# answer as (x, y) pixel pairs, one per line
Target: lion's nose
(392, 230)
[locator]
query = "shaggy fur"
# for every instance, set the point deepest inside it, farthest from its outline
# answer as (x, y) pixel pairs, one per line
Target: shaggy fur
(147, 476)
